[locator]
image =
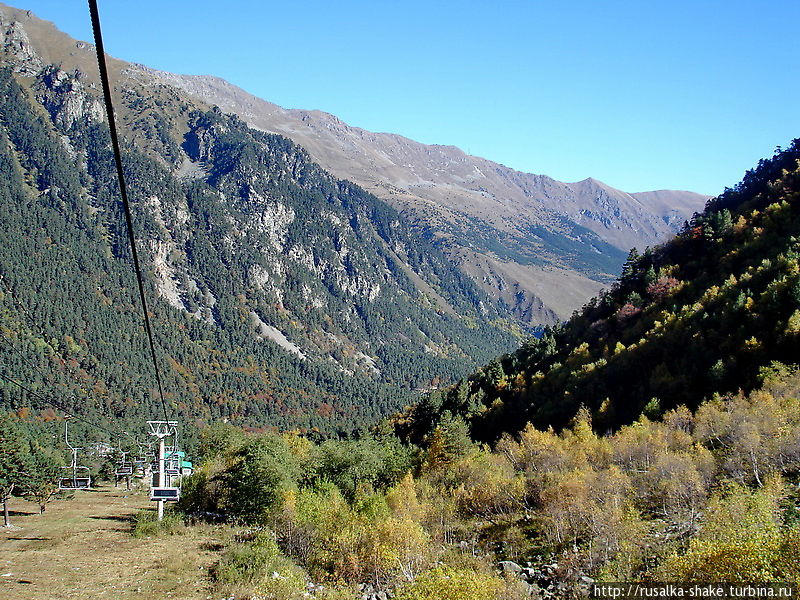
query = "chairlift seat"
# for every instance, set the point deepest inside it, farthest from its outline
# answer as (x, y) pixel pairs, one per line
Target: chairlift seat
(75, 483)
(70, 480)
(124, 471)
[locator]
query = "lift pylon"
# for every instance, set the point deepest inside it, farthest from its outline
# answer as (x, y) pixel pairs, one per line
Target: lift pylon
(164, 492)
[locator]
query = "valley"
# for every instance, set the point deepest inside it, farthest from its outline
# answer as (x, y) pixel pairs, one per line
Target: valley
(360, 367)
(475, 210)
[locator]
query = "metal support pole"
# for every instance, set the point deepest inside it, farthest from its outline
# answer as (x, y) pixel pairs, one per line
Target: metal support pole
(161, 476)
(74, 464)
(75, 468)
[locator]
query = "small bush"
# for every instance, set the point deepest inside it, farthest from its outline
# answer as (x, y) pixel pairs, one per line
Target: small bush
(337, 591)
(286, 584)
(146, 524)
(253, 562)
(453, 584)
(246, 561)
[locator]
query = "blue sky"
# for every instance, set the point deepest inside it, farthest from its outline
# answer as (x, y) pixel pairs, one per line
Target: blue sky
(644, 94)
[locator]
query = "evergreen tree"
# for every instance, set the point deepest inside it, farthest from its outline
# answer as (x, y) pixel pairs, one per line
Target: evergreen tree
(12, 463)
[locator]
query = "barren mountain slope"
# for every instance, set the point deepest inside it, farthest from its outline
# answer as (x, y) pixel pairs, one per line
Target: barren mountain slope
(451, 194)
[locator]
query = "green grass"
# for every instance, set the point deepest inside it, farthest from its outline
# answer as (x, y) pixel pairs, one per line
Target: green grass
(146, 524)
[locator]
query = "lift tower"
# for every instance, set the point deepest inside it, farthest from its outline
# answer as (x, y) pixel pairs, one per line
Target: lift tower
(163, 491)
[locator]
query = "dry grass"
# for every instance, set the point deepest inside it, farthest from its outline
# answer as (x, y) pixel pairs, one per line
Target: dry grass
(83, 548)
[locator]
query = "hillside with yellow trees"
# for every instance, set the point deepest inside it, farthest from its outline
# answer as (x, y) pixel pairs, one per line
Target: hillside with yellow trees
(653, 437)
(700, 315)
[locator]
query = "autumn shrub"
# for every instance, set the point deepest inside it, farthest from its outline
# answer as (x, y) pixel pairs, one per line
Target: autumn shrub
(288, 584)
(366, 540)
(337, 591)
(256, 481)
(489, 488)
(754, 435)
(741, 540)
(594, 511)
(203, 492)
(254, 563)
(448, 583)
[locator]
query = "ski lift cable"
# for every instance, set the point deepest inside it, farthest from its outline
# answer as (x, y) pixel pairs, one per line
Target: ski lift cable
(65, 409)
(60, 406)
(56, 354)
(104, 79)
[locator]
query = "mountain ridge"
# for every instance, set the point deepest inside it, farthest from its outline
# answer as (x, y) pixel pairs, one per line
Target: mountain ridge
(472, 189)
(282, 295)
(477, 211)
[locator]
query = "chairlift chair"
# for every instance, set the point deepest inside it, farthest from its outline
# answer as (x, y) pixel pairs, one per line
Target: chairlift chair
(124, 468)
(75, 483)
(170, 479)
(79, 478)
(172, 466)
(139, 466)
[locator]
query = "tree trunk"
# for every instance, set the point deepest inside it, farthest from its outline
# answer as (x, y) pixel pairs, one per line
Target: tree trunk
(6, 522)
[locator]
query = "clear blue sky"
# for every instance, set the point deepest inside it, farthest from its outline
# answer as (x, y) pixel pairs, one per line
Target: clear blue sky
(643, 94)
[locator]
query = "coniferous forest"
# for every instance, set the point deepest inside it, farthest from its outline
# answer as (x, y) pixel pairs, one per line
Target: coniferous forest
(260, 236)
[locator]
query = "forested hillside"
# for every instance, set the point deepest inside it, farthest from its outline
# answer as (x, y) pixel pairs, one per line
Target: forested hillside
(653, 437)
(697, 316)
(281, 295)
(622, 446)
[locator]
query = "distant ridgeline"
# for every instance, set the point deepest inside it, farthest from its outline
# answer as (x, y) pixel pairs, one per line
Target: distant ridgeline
(700, 315)
(281, 296)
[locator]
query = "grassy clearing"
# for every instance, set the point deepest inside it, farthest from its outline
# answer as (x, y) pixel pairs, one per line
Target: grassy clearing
(83, 548)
